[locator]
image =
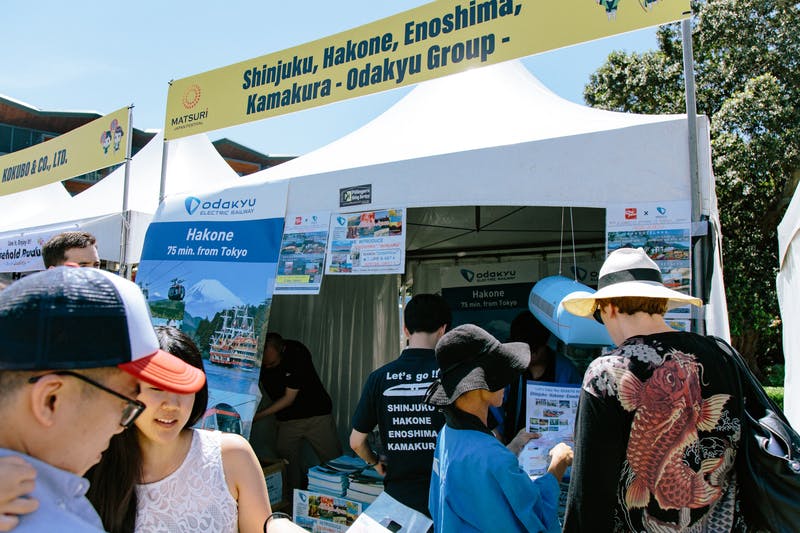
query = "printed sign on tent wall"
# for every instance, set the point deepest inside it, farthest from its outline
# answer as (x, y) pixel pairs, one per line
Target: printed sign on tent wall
(489, 295)
(369, 242)
(23, 253)
(305, 238)
(210, 271)
(583, 269)
(663, 230)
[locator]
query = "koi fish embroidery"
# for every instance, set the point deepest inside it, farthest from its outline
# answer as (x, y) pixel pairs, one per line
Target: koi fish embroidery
(668, 412)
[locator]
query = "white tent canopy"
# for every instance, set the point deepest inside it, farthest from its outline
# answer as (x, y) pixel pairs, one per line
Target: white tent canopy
(192, 164)
(27, 204)
(788, 286)
(484, 160)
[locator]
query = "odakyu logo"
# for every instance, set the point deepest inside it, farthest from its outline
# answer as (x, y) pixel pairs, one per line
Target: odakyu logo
(579, 272)
(661, 210)
(487, 275)
(192, 203)
(220, 206)
(341, 220)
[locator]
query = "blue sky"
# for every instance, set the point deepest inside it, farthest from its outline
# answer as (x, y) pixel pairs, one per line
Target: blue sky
(102, 56)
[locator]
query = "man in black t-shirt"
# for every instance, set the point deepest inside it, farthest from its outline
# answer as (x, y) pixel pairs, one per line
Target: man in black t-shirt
(392, 400)
(300, 403)
(659, 420)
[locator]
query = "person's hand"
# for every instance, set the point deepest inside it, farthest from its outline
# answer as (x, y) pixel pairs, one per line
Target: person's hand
(522, 438)
(560, 458)
(380, 468)
(17, 480)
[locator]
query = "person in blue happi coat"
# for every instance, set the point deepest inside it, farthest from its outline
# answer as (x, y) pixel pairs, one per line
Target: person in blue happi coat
(477, 483)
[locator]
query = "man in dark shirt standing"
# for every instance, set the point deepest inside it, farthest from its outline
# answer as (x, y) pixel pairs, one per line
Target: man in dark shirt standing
(392, 400)
(299, 402)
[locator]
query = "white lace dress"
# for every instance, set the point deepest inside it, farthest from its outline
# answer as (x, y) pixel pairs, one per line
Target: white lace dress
(193, 498)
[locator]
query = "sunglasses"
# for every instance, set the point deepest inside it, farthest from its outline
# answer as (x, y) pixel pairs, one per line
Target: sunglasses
(597, 315)
(133, 408)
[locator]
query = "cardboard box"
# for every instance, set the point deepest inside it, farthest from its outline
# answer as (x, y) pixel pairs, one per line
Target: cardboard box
(323, 513)
(274, 474)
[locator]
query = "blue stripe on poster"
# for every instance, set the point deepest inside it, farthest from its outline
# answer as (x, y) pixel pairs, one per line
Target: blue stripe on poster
(244, 241)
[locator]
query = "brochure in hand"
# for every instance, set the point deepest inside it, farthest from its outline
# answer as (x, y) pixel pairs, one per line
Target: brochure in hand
(550, 412)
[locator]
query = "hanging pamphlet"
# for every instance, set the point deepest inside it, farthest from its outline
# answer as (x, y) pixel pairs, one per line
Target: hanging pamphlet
(369, 242)
(550, 412)
(663, 230)
(302, 256)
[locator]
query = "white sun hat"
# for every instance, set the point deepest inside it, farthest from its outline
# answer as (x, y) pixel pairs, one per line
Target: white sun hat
(627, 272)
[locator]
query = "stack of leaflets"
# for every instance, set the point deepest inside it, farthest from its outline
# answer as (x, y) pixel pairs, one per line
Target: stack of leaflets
(331, 477)
(364, 486)
(327, 480)
(347, 464)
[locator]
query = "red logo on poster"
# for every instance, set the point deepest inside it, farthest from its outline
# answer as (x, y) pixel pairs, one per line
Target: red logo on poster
(298, 220)
(630, 213)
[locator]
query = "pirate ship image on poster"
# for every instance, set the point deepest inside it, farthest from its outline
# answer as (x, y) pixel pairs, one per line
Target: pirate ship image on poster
(236, 342)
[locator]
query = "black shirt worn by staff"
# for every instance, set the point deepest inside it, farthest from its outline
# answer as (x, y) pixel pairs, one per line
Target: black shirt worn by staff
(392, 399)
(296, 371)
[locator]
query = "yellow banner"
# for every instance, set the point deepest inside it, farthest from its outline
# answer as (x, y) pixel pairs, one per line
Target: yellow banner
(430, 41)
(98, 144)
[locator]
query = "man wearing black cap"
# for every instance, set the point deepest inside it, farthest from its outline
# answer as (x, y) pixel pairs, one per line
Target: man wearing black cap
(392, 398)
(658, 423)
(477, 483)
(76, 342)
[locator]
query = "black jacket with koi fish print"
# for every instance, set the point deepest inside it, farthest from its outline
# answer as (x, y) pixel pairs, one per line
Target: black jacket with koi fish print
(658, 426)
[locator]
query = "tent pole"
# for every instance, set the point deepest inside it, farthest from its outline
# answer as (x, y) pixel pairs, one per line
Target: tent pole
(163, 185)
(691, 116)
(126, 216)
(698, 272)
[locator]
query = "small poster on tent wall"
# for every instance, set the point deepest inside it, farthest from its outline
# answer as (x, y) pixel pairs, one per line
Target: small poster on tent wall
(302, 257)
(368, 242)
(663, 230)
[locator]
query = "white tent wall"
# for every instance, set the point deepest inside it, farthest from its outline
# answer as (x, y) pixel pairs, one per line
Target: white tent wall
(788, 287)
(193, 164)
(489, 138)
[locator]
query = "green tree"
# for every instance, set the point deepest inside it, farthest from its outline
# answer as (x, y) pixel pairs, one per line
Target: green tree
(747, 55)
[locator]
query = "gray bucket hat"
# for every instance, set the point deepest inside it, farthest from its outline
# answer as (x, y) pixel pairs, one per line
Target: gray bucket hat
(470, 359)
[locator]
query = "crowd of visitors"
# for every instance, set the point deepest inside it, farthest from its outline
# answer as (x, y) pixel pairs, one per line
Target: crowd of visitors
(99, 408)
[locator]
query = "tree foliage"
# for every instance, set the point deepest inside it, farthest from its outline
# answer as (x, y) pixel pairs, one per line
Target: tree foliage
(747, 74)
